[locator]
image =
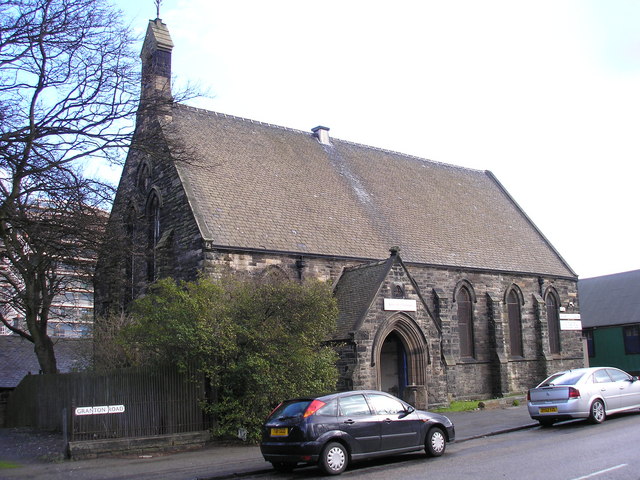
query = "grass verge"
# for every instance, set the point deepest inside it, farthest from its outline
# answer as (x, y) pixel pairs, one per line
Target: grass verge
(460, 406)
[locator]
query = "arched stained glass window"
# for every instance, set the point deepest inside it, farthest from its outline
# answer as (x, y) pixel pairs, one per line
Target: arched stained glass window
(515, 324)
(553, 321)
(153, 235)
(144, 177)
(465, 322)
(130, 228)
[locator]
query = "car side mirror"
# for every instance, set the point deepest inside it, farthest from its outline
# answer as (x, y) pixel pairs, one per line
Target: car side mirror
(407, 411)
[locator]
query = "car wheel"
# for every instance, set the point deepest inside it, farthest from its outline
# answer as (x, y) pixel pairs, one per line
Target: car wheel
(283, 466)
(596, 412)
(435, 443)
(334, 458)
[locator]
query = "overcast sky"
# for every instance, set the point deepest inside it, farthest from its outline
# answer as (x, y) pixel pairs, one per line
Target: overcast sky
(545, 94)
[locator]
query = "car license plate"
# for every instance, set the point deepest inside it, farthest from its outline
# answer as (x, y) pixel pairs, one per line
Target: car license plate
(279, 432)
(548, 409)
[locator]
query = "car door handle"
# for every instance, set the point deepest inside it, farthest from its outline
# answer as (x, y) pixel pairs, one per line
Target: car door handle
(350, 422)
(388, 420)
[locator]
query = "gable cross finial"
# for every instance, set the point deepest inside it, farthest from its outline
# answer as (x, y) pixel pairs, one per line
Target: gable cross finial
(158, 3)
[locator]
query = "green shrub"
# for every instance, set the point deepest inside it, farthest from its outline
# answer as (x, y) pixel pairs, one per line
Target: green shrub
(257, 342)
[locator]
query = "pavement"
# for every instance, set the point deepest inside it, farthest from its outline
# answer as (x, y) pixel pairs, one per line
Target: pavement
(33, 455)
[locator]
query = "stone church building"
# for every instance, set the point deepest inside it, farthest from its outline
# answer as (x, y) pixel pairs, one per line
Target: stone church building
(446, 289)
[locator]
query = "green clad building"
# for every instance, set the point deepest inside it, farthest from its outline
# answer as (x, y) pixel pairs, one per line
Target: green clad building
(610, 312)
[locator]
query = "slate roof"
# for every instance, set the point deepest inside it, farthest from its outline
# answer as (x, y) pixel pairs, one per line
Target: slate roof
(259, 186)
(610, 299)
(17, 358)
(354, 291)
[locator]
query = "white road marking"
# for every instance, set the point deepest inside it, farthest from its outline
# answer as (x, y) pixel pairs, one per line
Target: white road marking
(595, 474)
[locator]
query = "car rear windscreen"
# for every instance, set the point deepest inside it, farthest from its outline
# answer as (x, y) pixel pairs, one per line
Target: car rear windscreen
(290, 409)
(567, 378)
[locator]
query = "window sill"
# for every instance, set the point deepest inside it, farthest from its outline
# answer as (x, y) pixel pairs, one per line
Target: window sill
(468, 360)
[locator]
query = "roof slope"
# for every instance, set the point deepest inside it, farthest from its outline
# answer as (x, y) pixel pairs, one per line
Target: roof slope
(354, 292)
(258, 186)
(610, 299)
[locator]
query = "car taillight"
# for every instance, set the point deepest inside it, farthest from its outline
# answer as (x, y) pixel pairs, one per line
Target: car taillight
(528, 395)
(574, 392)
(313, 408)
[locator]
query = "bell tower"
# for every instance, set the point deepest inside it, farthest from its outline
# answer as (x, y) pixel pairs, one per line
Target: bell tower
(156, 64)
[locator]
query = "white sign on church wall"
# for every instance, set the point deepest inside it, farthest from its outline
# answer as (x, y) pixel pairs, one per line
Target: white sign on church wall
(570, 325)
(400, 305)
(570, 321)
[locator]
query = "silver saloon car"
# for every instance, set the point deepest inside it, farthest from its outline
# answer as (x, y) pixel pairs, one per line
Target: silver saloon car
(591, 393)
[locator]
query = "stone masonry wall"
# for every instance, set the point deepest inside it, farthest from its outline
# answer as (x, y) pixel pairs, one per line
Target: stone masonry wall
(475, 378)
(492, 372)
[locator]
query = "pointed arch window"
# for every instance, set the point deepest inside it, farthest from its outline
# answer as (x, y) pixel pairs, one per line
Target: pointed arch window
(153, 235)
(144, 177)
(130, 231)
(274, 273)
(553, 321)
(465, 322)
(515, 323)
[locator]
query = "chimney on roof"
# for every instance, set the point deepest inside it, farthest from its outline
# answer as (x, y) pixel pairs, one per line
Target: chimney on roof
(156, 63)
(322, 134)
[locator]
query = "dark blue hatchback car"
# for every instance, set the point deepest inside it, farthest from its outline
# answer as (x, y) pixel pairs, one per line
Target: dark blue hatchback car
(333, 430)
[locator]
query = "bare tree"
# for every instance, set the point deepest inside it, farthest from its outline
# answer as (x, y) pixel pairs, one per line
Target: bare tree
(69, 88)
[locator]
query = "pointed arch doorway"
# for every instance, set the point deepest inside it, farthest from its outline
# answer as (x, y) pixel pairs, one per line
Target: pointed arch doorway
(401, 355)
(394, 376)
